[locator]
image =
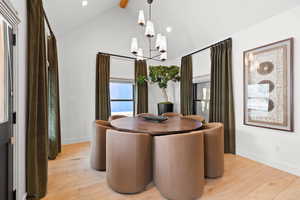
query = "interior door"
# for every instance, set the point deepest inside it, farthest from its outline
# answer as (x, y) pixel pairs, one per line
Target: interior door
(6, 112)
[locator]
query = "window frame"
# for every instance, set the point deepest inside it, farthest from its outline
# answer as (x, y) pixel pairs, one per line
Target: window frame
(195, 99)
(125, 81)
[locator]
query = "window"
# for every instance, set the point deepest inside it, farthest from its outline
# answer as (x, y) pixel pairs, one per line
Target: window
(122, 98)
(201, 97)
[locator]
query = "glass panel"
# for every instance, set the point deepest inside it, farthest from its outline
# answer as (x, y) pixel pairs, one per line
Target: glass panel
(3, 78)
(122, 108)
(203, 91)
(202, 108)
(121, 90)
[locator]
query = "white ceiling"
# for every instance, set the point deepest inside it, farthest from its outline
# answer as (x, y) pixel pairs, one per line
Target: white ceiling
(66, 15)
(195, 23)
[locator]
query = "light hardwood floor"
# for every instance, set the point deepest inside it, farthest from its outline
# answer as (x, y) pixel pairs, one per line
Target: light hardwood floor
(71, 178)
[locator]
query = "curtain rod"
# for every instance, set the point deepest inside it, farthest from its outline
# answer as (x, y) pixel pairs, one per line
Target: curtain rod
(47, 22)
(208, 47)
(121, 56)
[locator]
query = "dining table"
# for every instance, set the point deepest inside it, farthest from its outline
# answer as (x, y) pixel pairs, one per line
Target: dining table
(173, 125)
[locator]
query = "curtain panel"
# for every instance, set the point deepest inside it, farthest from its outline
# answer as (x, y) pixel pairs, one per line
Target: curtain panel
(142, 89)
(186, 85)
(221, 97)
(53, 96)
(102, 87)
(37, 104)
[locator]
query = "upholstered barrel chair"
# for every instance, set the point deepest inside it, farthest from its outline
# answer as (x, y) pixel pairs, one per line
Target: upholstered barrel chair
(172, 114)
(98, 149)
(179, 165)
(195, 117)
(128, 161)
(214, 149)
(114, 117)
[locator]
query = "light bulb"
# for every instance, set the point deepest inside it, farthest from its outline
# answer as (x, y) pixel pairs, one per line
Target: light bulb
(163, 44)
(84, 3)
(150, 32)
(134, 46)
(141, 20)
(164, 56)
(169, 29)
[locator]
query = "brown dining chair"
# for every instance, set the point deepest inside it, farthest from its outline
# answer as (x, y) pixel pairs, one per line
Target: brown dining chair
(98, 147)
(214, 149)
(145, 114)
(128, 161)
(195, 117)
(179, 165)
(172, 114)
(114, 117)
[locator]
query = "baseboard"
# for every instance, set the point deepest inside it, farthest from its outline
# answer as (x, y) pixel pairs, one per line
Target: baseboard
(75, 140)
(281, 166)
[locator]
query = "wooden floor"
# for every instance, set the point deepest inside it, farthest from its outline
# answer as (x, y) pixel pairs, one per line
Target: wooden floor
(71, 178)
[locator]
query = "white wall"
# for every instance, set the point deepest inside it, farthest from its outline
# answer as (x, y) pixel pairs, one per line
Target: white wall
(77, 53)
(201, 72)
(201, 64)
(20, 6)
(278, 149)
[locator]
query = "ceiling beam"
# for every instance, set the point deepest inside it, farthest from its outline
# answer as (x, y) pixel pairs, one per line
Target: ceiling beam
(123, 3)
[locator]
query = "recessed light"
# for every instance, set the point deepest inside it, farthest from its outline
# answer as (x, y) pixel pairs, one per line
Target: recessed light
(169, 29)
(84, 3)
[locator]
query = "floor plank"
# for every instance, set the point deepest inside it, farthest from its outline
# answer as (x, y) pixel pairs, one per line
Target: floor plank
(71, 178)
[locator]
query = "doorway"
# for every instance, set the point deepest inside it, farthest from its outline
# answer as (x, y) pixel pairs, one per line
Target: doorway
(6, 110)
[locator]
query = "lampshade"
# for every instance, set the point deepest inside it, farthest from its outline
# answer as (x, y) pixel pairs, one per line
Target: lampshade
(134, 46)
(164, 56)
(140, 54)
(150, 32)
(141, 19)
(158, 41)
(163, 44)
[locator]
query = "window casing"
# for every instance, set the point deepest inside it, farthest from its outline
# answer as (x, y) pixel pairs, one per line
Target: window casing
(201, 99)
(122, 97)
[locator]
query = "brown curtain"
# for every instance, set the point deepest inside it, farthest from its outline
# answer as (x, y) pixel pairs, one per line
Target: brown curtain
(221, 97)
(186, 85)
(102, 87)
(142, 89)
(53, 96)
(37, 104)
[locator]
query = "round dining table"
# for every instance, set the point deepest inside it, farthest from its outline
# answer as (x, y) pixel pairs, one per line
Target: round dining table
(172, 125)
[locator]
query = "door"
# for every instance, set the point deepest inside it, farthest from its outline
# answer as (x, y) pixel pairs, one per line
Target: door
(6, 112)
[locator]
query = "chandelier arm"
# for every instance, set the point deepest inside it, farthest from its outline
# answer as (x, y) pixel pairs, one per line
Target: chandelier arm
(155, 56)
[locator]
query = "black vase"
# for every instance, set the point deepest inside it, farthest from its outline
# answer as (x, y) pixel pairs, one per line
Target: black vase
(164, 108)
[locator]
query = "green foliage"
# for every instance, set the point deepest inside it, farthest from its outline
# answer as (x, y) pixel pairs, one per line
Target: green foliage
(161, 75)
(141, 79)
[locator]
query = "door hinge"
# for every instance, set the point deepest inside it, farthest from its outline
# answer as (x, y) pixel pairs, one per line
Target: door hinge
(13, 140)
(14, 39)
(14, 117)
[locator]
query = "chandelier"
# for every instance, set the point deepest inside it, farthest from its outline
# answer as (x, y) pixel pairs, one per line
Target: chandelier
(160, 48)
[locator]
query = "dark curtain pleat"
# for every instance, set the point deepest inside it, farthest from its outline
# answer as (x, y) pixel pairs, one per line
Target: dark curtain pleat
(186, 85)
(102, 87)
(53, 97)
(221, 96)
(142, 89)
(37, 105)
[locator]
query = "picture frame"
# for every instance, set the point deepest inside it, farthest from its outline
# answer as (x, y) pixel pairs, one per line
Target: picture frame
(268, 86)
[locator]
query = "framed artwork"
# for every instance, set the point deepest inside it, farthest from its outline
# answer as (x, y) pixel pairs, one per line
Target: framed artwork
(268, 86)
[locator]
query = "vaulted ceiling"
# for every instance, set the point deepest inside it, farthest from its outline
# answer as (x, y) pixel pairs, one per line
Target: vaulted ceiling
(195, 23)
